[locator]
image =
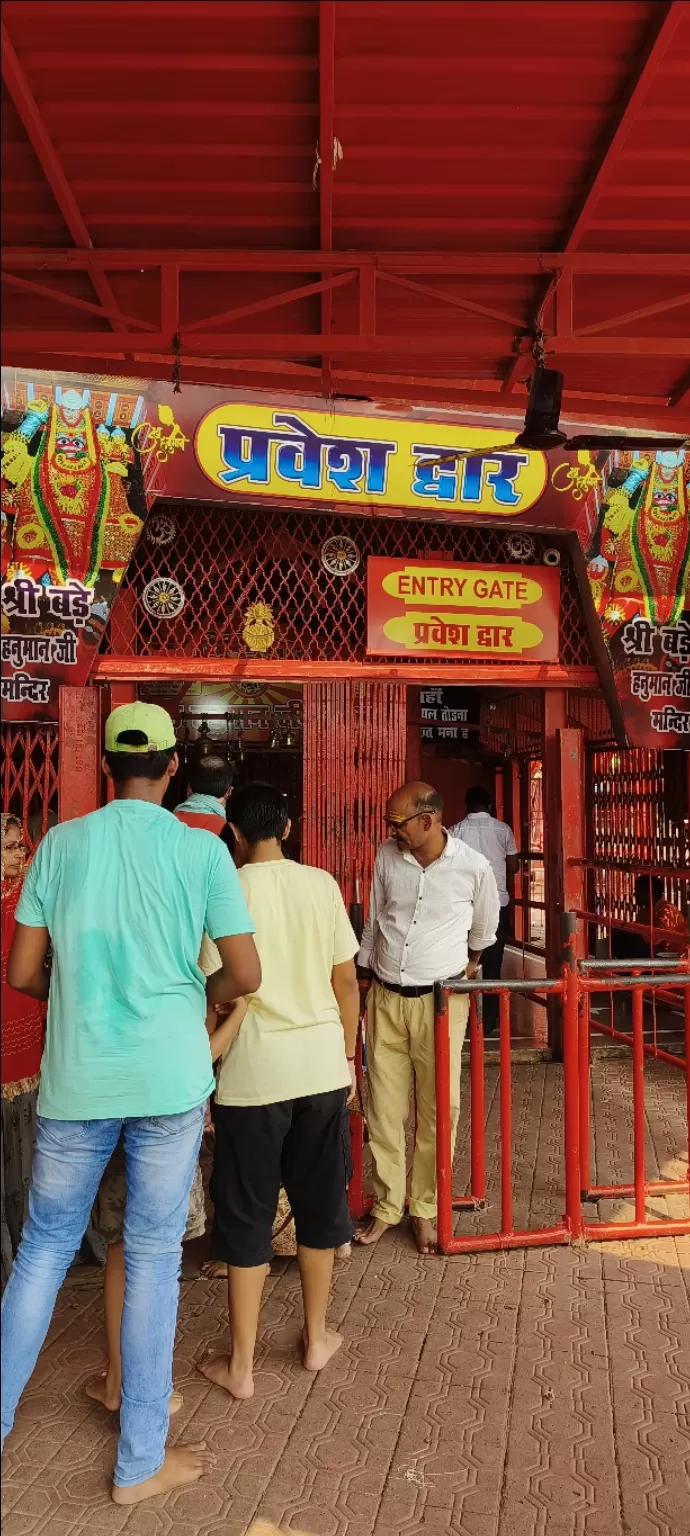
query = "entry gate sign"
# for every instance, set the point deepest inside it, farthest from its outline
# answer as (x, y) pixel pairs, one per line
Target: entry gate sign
(426, 608)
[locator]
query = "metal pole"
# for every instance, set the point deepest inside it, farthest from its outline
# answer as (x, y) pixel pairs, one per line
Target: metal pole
(444, 1181)
(477, 1150)
(505, 1102)
(355, 1194)
(584, 1048)
(571, 1108)
(638, 1104)
(687, 1063)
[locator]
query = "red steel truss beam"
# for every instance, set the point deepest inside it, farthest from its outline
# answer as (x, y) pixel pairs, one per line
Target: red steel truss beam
(428, 343)
(223, 669)
(44, 149)
(325, 285)
(450, 299)
(670, 18)
(634, 314)
(460, 394)
(100, 310)
(326, 159)
(413, 263)
(469, 396)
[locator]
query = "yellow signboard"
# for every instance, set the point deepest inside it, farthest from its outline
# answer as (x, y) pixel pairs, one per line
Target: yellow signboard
(459, 632)
(256, 450)
(415, 607)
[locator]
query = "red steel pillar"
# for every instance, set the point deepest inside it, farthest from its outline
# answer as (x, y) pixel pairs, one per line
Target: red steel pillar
(572, 772)
(120, 693)
(79, 752)
(555, 719)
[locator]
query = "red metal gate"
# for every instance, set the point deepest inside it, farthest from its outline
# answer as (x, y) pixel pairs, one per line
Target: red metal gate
(30, 777)
(354, 756)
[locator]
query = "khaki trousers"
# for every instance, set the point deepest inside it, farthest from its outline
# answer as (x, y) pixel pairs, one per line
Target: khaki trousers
(400, 1048)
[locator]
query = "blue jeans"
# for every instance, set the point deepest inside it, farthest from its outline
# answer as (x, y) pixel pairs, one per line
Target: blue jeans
(69, 1160)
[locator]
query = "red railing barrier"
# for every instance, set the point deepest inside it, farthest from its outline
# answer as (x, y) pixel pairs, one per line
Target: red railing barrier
(576, 983)
(625, 976)
(507, 1237)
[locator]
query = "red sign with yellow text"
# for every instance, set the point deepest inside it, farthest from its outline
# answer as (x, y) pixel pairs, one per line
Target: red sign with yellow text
(428, 608)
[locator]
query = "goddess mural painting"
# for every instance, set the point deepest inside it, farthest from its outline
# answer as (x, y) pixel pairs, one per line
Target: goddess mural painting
(72, 510)
(638, 564)
(638, 561)
(64, 488)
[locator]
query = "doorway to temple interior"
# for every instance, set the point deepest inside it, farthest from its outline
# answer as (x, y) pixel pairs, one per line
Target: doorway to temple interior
(255, 726)
(336, 751)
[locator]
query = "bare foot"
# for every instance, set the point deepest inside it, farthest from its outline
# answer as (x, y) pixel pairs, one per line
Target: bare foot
(424, 1234)
(372, 1233)
(102, 1390)
(215, 1269)
(344, 1252)
(220, 1370)
(318, 1354)
(184, 1465)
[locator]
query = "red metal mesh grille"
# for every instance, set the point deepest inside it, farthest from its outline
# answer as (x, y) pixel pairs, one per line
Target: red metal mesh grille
(514, 726)
(355, 744)
(29, 768)
(590, 712)
(637, 817)
(227, 559)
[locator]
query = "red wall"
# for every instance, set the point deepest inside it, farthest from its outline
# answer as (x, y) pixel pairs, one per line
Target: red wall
(450, 776)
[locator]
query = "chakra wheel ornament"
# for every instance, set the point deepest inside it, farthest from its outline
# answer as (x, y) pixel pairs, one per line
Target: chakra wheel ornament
(163, 598)
(160, 529)
(339, 555)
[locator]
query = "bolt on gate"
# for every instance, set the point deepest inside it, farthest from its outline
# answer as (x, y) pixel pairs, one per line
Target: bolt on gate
(578, 980)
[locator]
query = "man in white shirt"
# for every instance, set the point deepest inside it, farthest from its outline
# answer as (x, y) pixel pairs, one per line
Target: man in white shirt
(433, 909)
(482, 831)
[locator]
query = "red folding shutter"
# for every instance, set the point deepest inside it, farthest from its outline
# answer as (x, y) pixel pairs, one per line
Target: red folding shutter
(354, 757)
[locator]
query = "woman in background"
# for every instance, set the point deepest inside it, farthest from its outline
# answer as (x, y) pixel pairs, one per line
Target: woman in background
(22, 1046)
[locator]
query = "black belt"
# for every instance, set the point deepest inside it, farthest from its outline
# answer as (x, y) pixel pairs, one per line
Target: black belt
(390, 986)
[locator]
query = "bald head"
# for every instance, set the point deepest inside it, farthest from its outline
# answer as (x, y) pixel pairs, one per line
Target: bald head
(413, 818)
(415, 796)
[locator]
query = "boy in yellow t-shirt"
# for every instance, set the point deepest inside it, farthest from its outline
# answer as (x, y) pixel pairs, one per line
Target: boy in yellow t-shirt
(283, 1087)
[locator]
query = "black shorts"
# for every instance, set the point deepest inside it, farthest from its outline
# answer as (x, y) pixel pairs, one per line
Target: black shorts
(300, 1143)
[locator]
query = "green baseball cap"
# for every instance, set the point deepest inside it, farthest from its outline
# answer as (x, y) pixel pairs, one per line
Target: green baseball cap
(148, 720)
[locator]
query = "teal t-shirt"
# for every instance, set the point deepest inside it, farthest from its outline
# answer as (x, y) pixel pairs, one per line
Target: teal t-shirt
(126, 895)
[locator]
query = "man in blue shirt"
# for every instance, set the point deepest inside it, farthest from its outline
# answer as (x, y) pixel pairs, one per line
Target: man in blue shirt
(210, 781)
(124, 896)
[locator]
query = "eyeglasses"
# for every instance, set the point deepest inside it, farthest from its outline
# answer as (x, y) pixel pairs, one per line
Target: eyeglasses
(395, 826)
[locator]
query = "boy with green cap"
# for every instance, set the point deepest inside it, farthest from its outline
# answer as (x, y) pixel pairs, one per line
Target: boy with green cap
(124, 896)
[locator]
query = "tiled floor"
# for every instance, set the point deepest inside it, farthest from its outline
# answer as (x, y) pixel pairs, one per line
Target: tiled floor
(536, 1393)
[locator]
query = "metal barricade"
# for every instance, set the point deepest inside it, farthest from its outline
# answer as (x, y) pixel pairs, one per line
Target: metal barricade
(577, 981)
(506, 1236)
(615, 977)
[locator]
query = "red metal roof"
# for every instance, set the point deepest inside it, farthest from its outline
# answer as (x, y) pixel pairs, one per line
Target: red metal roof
(453, 171)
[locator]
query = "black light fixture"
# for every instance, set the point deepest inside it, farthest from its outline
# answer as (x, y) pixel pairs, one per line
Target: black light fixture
(541, 429)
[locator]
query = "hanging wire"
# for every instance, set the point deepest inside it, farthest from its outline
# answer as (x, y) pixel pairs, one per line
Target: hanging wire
(177, 367)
